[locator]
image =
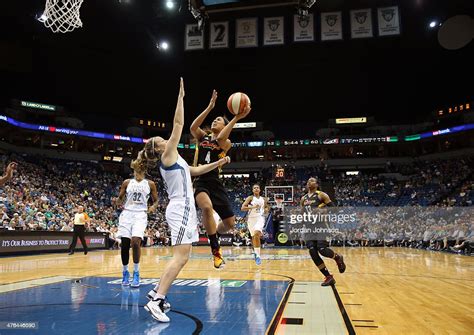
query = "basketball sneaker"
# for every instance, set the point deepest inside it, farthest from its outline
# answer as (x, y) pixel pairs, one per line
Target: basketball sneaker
(126, 278)
(166, 305)
(258, 260)
(156, 309)
(328, 281)
(136, 279)
(218, 260)
(340, 263)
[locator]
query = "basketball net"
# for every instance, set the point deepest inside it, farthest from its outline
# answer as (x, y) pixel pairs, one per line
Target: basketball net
(62, 15)
(279, 203)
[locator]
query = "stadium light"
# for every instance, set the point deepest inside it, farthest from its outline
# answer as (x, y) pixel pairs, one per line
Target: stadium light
(163, 46)
(169, 4)
(432, 24)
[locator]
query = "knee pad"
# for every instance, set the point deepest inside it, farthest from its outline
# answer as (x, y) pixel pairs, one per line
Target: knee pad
(125, 243)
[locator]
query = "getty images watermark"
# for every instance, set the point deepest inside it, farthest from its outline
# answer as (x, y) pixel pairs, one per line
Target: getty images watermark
(300, 224)
(397, 222)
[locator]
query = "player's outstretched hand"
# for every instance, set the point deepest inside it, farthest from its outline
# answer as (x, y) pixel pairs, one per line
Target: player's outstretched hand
(181, 87)
(212, 103)
(224, 161)
(244, 113)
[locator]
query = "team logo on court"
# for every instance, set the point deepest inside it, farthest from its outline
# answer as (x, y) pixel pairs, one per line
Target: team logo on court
(388, 14)
(273, 24)
(331, 20)
(282, 238)
(361, 17)
(303, 21)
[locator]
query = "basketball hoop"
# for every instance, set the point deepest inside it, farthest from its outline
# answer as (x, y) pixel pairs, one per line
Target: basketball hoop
(62, 15)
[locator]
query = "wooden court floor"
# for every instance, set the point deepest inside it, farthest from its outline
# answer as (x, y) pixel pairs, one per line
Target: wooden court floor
(384, 290)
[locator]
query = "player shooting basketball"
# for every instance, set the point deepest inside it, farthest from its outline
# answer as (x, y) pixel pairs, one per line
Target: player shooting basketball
(209, 192)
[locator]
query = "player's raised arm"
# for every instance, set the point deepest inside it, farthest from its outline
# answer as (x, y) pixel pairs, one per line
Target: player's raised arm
(170, 154)
(195, 128)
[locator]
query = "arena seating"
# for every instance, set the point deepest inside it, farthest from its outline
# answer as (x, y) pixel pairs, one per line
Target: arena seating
(44, 192)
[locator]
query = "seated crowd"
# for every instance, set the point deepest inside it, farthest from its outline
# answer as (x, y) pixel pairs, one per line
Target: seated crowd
(44, 192)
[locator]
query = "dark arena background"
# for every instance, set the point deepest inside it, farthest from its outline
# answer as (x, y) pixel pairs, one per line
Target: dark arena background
(372, 99)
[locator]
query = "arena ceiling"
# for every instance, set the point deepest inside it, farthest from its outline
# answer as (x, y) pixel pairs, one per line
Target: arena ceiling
(111, 66)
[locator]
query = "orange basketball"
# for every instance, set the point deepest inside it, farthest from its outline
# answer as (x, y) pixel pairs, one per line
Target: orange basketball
(237, 102)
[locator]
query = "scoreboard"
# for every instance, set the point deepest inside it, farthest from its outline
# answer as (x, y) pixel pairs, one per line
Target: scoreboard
(280, 173)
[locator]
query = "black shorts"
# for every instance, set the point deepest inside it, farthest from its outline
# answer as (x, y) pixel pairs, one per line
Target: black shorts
(317, 244)
(217, 193)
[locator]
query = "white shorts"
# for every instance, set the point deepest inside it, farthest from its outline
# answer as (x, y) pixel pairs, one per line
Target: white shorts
(255, 224)
(182, 219)
(132, 224)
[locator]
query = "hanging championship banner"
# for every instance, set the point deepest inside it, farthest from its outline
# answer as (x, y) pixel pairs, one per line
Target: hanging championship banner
(303, 28)
(331, 26)
(361, 23)
(194, 38)
(273, 31)
(388, 20)
(219, 35)
(246, 33)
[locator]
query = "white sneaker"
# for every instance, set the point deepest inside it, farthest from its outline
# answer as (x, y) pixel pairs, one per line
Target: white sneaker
(155, 308)
(166, 304)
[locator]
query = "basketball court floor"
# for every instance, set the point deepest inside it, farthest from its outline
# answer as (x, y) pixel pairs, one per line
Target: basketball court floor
(383, 291)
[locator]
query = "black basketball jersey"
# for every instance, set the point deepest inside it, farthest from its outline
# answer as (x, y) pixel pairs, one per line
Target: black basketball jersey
(312, 201)
(208, 151)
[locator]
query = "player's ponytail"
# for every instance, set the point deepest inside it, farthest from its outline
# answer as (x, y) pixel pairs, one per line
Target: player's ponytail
(147, 158)
(150, 155)
(139, 164)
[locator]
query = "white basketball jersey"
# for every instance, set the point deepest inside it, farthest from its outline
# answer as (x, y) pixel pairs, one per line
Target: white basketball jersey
(257, 201)
(137, 195)
(177, 180)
